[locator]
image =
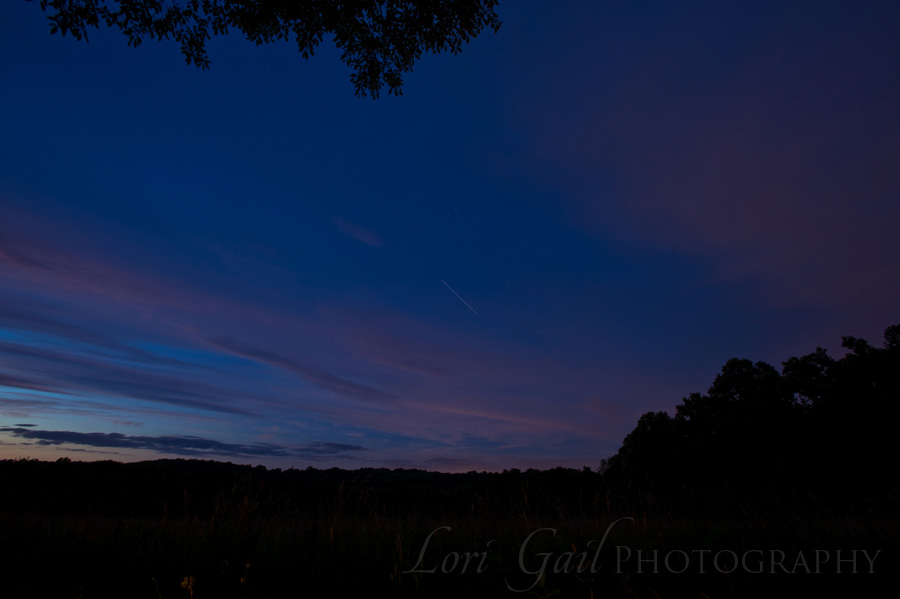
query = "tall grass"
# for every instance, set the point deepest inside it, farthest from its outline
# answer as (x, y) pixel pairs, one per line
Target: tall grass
(352, 536)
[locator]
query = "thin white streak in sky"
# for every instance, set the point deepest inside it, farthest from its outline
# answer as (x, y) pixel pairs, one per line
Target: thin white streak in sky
(459, 296)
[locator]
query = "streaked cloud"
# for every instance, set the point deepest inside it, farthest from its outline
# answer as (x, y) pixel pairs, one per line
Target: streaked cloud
(316, 376)
(183, 445)
(357, 232)
(67, 372)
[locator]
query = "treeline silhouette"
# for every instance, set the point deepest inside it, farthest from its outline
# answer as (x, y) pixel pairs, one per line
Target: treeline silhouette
(179, 488)
(821, 426)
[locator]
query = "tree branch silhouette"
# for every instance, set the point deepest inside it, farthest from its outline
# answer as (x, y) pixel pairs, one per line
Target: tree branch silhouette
(380, 39)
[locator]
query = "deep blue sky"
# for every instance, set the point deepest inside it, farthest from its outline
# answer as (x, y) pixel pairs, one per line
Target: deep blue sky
(251, 264)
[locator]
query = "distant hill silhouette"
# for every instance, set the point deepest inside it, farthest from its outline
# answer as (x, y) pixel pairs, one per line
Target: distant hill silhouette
(202, 488)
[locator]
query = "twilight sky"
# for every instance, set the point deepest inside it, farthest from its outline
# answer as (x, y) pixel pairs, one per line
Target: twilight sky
(573, 222)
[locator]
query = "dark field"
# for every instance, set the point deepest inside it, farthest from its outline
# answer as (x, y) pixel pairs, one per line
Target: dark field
(206, 529)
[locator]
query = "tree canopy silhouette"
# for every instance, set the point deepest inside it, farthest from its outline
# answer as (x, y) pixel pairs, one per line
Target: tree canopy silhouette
(818, 421)
(380, 39)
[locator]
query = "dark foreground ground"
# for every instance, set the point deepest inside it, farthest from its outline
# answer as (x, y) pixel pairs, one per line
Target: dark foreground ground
(182, 529)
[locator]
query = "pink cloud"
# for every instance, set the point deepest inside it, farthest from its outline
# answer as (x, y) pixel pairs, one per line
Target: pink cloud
(357, 232)
(782, 172)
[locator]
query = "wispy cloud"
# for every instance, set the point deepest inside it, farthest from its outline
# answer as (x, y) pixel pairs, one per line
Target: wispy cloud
(64, 372)
(360, 234)
(183, 445)
(40, 262)
(321, 378)
(33, 319)
(19, 382)
(13, 255)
